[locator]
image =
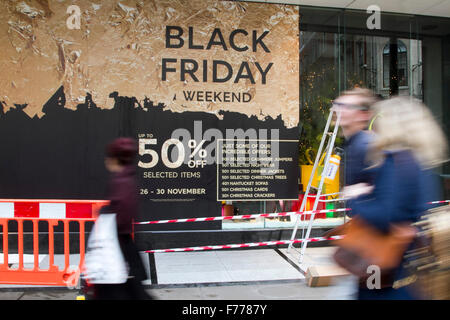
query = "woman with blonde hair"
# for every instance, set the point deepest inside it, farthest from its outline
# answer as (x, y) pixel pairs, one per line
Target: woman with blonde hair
(408, 145)
(404, 123)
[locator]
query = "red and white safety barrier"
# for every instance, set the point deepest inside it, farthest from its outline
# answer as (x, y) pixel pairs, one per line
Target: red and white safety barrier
(245, 216)
(244, 245)
(75, 209)
(49, 209)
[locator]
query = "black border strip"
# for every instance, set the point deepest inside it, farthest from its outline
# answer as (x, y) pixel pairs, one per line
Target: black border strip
(152, 266)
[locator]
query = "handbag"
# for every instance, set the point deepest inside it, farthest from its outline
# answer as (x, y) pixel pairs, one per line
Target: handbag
(427, 264)
(104, 262)
(364, 245)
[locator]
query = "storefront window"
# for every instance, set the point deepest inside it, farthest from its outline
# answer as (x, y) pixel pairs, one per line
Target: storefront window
(338, 52)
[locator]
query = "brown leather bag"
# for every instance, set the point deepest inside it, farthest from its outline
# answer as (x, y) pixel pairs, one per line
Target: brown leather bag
(363, 245)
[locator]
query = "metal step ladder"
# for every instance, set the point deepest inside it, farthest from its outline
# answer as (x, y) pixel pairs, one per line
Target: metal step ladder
(330, 137)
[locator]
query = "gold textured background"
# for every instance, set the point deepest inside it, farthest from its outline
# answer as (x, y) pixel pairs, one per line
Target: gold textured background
(120, 47)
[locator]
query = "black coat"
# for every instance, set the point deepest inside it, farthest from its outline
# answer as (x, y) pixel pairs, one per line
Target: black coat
(123, 196)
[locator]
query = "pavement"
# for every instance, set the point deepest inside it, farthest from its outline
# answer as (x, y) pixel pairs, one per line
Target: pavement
(253, 274)
(280, 290)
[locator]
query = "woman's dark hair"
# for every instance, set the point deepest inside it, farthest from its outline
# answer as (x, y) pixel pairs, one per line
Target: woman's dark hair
(122, 149)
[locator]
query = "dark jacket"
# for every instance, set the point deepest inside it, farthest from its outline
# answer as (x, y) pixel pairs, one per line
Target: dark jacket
(123, 196)
(355, 159)
(401, 192)
(122, 193)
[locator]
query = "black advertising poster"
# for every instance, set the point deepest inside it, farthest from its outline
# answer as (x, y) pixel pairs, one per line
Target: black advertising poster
(209, 90)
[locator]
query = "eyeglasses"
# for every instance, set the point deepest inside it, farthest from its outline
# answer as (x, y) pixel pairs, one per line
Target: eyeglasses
(349, 106)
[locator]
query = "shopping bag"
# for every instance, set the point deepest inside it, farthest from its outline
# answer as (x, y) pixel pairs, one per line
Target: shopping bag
(104, 262)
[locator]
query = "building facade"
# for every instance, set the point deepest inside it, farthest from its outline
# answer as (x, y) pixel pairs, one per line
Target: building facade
(144, 69)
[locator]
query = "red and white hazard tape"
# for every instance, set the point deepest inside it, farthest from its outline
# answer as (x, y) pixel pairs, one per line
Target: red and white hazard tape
(244, 245)
(73, 209)
(437, 202)
(342, 199)
(245, 216)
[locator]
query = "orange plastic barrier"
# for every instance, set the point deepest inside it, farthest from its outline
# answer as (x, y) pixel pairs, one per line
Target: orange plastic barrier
(42, 210)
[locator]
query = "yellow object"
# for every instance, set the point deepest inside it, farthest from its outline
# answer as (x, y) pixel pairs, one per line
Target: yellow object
(331, 182)
(373, 120)
(81, 298)
(307, 156)
(306, 171)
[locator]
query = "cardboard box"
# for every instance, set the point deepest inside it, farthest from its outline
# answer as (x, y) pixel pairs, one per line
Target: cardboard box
(322, 276)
